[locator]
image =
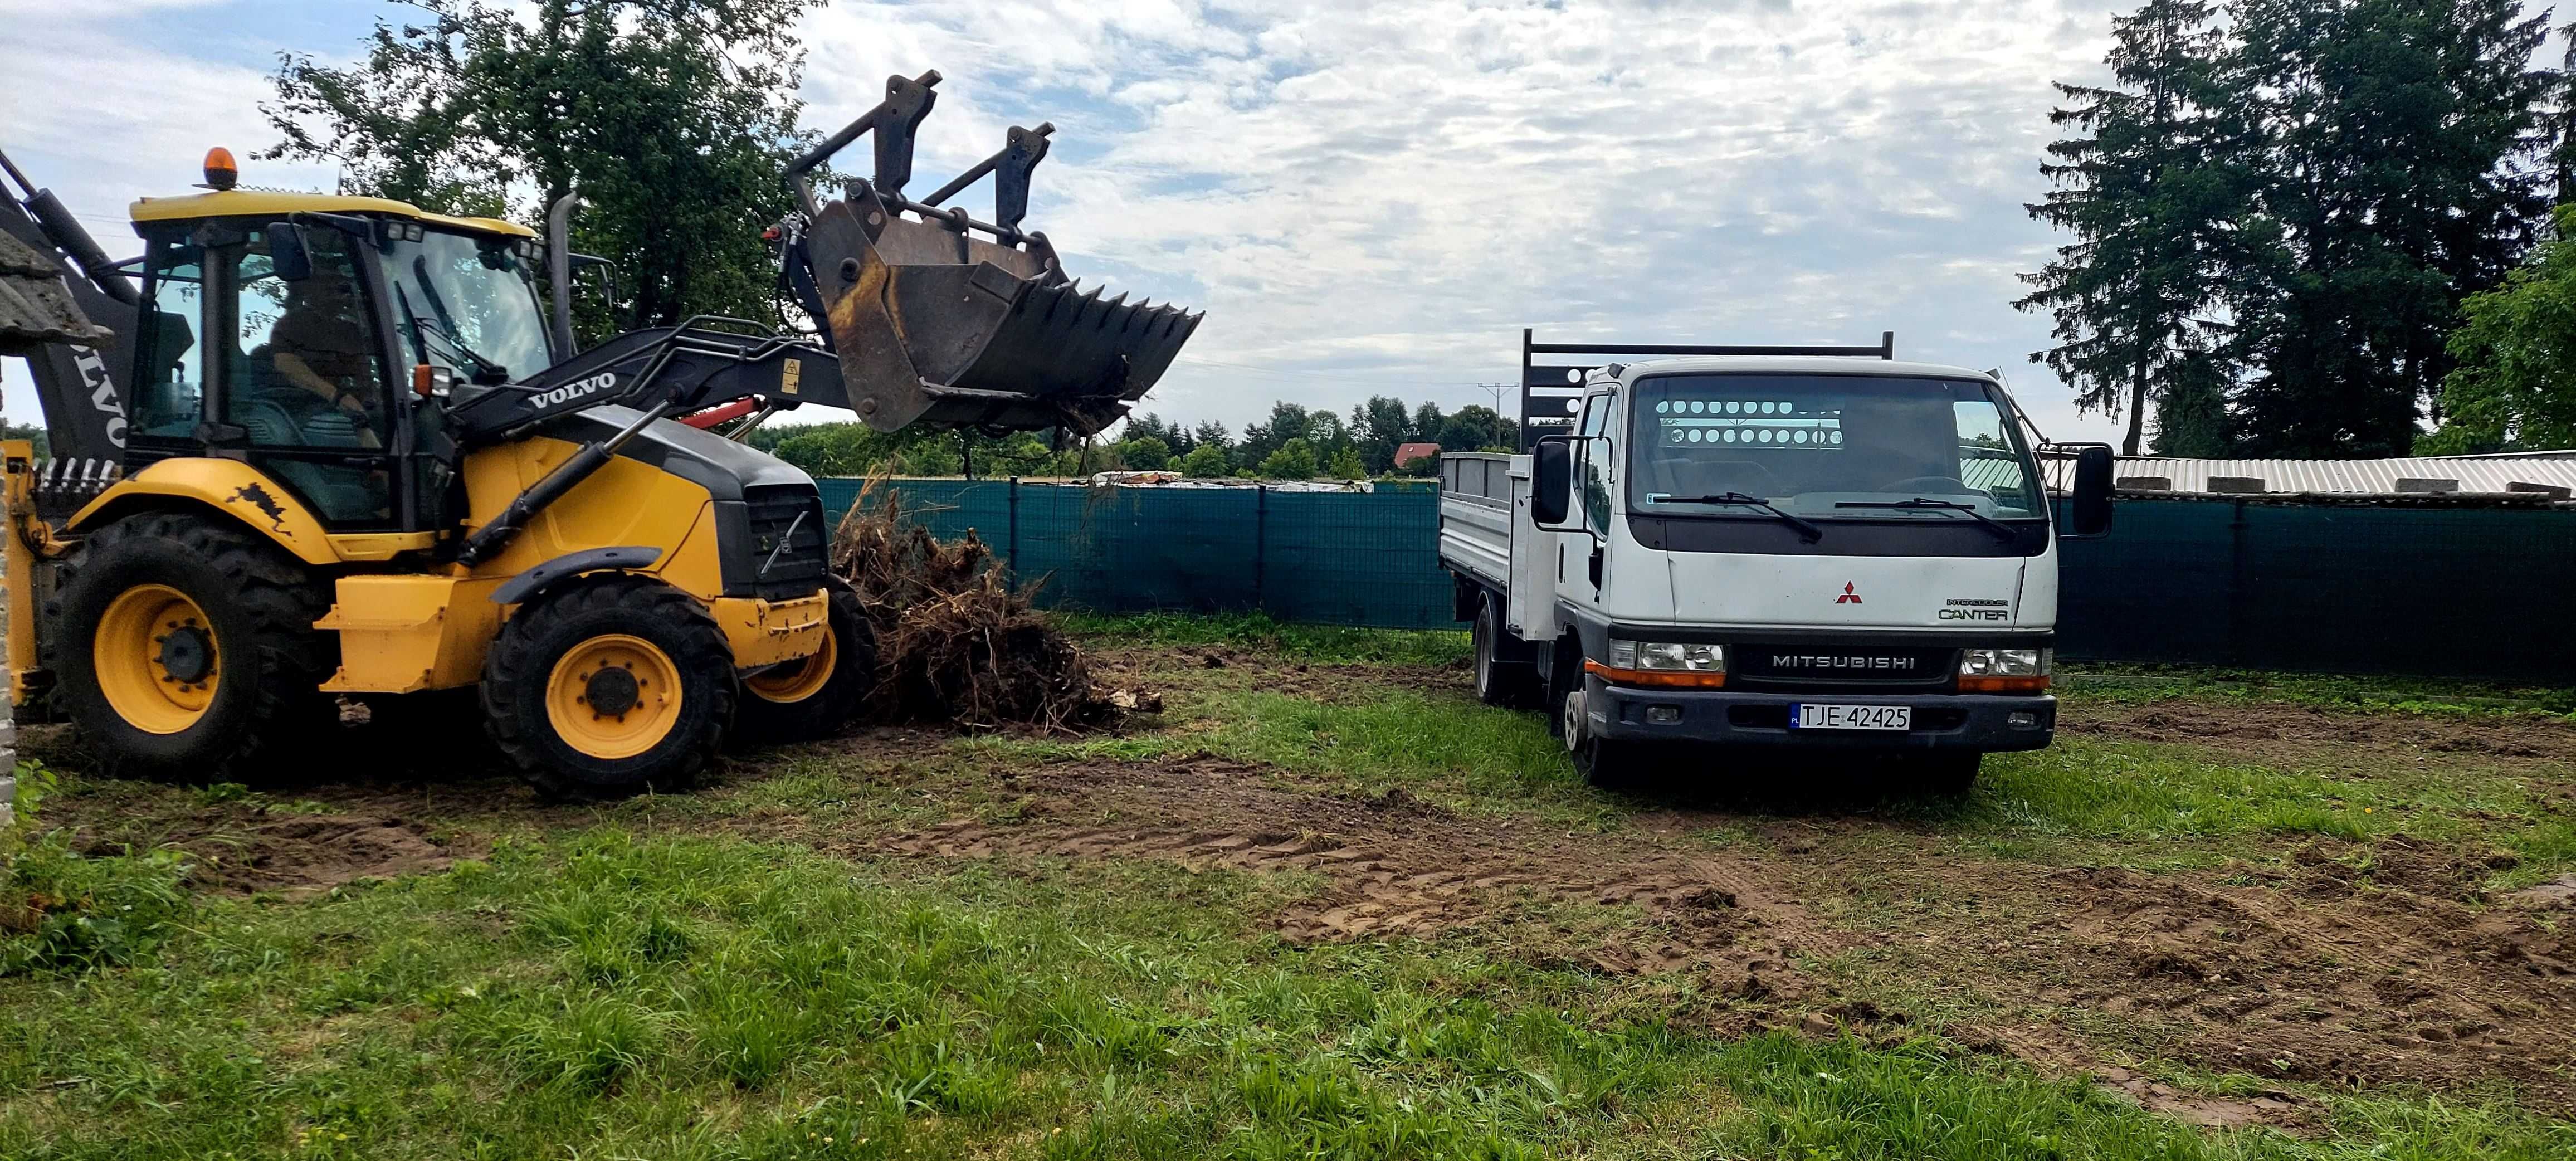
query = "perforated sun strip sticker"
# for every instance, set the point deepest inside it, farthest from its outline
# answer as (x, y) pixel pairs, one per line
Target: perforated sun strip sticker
(1772, 424)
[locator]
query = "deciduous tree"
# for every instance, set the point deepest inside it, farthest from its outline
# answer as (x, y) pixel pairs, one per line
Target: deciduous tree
(674, 119)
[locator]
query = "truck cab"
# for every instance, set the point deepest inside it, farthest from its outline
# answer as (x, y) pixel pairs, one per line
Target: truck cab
(1824, 553)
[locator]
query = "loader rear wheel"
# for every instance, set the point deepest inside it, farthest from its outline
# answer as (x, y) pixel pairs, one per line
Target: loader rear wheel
(811, 698)
(608, 688)
(184, 647)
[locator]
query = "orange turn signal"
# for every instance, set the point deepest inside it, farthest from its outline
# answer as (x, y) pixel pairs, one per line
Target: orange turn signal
(420, 379)
(221, 173)
(1989, 684)
(1658, 678)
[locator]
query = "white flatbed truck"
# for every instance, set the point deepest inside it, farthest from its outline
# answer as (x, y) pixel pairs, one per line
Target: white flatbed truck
(1818, 549)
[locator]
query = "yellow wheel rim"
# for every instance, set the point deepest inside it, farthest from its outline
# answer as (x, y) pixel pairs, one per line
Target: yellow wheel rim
(613, 696)
(789, 682)
(157, 660)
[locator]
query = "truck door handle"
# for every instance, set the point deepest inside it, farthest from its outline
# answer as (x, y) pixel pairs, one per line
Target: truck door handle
(1596, 567)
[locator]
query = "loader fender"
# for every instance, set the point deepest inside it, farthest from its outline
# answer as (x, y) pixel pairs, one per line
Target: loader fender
(235, 489)
(531, 581)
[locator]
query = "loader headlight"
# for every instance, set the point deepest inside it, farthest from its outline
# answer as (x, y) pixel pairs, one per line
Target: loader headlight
(2003, 670)
(1663, 663)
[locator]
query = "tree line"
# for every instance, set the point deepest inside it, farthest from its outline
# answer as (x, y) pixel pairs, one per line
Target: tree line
(2313, 227)
(1293, 442)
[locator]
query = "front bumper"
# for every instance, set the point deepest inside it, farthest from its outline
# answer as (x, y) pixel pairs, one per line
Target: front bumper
(1942, 721)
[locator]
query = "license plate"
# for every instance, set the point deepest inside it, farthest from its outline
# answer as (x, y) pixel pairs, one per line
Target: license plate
(1851, 717)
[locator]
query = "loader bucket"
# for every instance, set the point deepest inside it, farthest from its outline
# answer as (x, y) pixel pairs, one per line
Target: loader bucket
(935, 326)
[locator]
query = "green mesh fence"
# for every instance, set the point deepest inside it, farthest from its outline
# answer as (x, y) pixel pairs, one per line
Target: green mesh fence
(2469, 592)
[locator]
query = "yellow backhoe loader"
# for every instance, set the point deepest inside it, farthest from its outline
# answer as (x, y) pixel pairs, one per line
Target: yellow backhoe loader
(346, 451)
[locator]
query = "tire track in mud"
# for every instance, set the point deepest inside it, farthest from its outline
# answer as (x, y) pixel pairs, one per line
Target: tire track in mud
(2310, 974)
(1396, 866)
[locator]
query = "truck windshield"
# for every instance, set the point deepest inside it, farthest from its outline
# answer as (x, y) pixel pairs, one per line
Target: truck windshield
(466, 302)
(1836, 447)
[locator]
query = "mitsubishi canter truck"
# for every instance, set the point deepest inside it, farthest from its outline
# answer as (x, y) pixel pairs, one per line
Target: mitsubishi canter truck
(1817, 549)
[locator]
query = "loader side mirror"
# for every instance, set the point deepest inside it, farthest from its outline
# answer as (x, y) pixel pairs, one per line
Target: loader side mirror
(2089, 501)
(287, 253)
(1551, 480)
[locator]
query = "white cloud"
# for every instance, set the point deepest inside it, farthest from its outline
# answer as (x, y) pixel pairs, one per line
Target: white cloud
(1392, 191)
(1375, 198)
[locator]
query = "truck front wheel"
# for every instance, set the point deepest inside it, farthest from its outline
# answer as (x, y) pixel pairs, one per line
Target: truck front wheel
(1602, 762)
(1949, 773)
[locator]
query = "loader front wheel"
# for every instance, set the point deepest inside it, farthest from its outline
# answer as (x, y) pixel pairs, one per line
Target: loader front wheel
(184, 648)
(801, 700)
(610, 687)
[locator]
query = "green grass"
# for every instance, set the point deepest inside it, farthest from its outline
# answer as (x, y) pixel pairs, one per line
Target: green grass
(1332, 643)
(2139, 684)
(2080, 798)
(608, 984)
(595, 995)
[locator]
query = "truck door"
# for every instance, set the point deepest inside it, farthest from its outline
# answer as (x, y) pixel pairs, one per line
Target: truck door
(1594, 461)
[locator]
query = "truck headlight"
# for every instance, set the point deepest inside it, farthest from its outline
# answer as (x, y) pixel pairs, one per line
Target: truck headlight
(1687, 664)
(2003, 670)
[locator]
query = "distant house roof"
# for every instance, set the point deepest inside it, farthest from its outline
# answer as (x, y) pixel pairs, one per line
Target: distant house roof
(34, 307)
(1406, 453)
(2409, 476)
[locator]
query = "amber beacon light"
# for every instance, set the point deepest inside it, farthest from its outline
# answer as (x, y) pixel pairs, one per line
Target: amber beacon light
(221, 173)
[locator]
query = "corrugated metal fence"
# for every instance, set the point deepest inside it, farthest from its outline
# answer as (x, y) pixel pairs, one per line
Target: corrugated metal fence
(2472, 592)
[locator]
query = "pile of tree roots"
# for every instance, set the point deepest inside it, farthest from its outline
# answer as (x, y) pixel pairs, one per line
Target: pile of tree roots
(955, 643)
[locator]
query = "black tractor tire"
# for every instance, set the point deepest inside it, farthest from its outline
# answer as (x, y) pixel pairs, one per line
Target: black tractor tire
(815, 698)
(255, 706)
(553, 658)
(1512, 685)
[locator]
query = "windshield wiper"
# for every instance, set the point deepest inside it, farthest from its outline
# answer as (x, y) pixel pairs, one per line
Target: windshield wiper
(1918, 503)
(1806, 528)
(488, 373)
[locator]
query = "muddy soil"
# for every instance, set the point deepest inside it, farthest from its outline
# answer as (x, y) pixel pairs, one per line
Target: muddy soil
(2319, 974)
(251, 851)
(2295, 735)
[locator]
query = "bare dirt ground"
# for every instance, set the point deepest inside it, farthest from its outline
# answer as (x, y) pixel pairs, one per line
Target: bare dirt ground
(2305, 976)
(2310, 735)
(246, 851)
(2300, 968)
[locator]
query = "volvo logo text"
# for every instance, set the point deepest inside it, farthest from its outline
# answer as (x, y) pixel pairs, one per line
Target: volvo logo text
(577, 388)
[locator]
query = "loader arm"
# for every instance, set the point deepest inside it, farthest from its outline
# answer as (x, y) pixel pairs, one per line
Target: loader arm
(675, 370)
(82, 389)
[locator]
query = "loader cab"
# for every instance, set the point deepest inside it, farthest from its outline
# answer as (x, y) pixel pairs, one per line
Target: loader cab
(314, 337)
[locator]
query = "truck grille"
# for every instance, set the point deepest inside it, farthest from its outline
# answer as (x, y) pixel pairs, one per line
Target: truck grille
(801, 548)
(1840, 667)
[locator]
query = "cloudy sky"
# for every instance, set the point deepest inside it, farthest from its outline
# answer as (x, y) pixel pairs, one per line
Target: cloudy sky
(1366, 198)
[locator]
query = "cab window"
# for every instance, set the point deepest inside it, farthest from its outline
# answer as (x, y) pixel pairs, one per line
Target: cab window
(305, 370)
(1593, 470)
(170, 383)
(304, 375)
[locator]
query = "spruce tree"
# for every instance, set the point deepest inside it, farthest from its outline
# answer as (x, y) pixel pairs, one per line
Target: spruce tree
(2404, 165)
(2150, 188)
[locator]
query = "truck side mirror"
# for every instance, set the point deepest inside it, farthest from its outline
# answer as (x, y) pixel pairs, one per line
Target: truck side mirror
(287, 253)
(2089, 502)
(1551, 480)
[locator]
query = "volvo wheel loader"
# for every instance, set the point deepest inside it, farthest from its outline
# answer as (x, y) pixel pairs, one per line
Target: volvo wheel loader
(345, 450)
